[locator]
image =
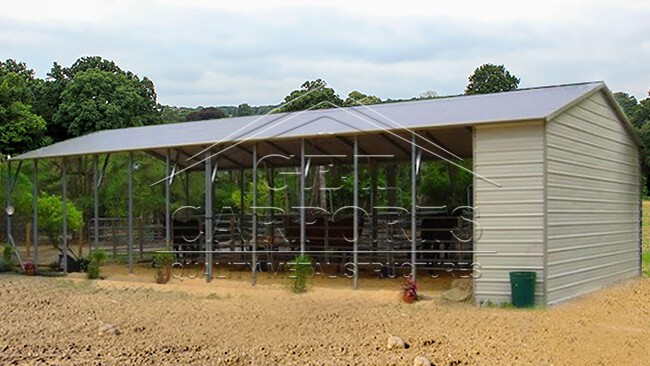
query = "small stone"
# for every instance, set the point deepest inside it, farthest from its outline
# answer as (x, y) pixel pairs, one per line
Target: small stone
(396, 342)
(109, 329)
(421, 361)
(456, 294)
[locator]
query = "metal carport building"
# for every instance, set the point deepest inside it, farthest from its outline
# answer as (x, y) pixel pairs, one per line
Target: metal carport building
(557, 183)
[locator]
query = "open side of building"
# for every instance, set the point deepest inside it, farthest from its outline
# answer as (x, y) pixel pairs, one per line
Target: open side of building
(556, 174)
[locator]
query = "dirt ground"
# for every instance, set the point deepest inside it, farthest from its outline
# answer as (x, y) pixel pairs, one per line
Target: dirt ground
(57, 321)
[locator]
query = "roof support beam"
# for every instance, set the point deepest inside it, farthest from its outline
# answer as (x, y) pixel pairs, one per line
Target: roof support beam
(392, 142)
(279, 148)
(445, 149)
(325, 152)
(350, 144)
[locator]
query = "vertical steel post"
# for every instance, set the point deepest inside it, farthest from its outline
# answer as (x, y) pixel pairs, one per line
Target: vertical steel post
(272, 198)
(35, 214)
(355, 226)
(241, 191)
(64, 208)
(187, 187)
(95, 202)
(208, 216)
(413, 205)
(130, 212)
(8, 198)
(254, 218)
(303, 173)
(168, 220)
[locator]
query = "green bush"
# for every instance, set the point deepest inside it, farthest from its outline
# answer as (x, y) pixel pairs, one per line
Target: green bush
(301, 270)
(50, 217)
(97, 258)
(161, 260)
(6, 264)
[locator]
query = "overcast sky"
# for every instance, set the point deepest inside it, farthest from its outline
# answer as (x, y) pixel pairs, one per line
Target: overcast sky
(201, 52)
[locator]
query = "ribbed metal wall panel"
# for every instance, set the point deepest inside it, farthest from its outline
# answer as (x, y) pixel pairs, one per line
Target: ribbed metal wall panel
(593, 200)
(510, 231)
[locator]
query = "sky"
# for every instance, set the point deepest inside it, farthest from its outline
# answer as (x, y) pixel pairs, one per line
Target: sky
(204, 53)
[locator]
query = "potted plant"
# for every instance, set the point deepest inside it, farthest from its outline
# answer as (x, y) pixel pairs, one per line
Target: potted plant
(409, 291)
(162, 264)
(30, 268)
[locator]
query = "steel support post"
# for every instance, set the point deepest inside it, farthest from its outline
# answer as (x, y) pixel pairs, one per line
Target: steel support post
(413, 205)
(303, 174)
(130, 212)
(208, 216)
(35, 215)
(254, 218)
(355, 226)
(64, 208)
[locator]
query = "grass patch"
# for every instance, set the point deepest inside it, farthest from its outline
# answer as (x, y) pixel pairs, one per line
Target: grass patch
(646, 264)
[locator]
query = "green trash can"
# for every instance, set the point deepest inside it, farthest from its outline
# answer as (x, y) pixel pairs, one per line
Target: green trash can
(522, 287)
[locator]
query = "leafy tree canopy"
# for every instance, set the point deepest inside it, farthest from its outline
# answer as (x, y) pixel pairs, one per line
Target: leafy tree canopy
(244, 109)
(358, 98)
(95, 94)
(20, 128)
(98, 100)
(206, 114)
(489, 78)
(311, 95)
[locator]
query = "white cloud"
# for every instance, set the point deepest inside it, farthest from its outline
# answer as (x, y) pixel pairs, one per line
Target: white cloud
(206, 52)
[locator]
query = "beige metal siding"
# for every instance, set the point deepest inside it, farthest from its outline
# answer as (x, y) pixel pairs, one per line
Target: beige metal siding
(510, 231)
(593, 200)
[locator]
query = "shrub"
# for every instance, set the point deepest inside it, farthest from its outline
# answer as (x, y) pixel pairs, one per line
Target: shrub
(162, 260)
(302, 269)
(97, 258)
(6, 264)
(162, 263)
(50, 217)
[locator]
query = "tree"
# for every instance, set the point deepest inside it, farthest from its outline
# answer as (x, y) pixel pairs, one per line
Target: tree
(311, 95)
(428, 94)
(95, 94)
(244, 110)
(489, 78)
(98, 100)
(357, 98)
(50, 217)
(20, 129)
(627, 102)
(206, 114)
(639, 115)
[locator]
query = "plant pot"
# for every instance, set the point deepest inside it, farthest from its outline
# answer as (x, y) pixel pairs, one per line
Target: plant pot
(163, 275)
(409, 299)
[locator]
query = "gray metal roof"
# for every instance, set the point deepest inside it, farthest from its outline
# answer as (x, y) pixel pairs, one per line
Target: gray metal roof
(521, 105)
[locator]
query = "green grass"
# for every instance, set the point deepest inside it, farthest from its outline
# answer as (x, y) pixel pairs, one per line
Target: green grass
(646, 264)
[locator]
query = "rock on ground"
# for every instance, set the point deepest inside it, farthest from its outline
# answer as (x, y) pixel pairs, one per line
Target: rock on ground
(396, 343)
(109, 329)
(421, 361)
(461, 290)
